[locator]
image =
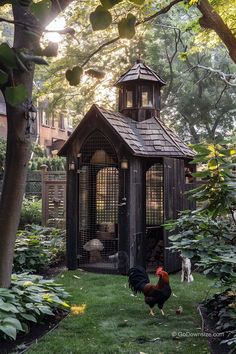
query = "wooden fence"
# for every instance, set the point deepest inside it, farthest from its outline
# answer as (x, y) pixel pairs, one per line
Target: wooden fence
(50, 186)
(53, 198)
(33, 184)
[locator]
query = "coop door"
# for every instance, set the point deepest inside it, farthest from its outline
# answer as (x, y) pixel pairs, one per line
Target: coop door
(98, 206)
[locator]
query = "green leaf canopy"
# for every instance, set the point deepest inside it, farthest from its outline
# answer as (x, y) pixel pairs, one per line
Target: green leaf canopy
(138, 2)
(108, 4)
(126, 27)
(3, 77)
(73, 76)
(7, 56)
(16, 95)
(100, 19)
(41, 9)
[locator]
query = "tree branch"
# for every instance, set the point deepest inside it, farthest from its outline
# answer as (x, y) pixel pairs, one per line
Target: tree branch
(211, 19)
(221, 95)
(100, 48)
(223, 76)
(164, 10)
(38, 28)
(158, 13)
(191, 128)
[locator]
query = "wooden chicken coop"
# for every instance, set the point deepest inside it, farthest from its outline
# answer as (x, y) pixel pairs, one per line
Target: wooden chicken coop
(126, 177)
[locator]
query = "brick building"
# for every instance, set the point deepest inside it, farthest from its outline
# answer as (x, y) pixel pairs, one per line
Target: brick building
(52, 129)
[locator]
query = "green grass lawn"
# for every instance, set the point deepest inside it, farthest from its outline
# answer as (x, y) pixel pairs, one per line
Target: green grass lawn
(115, 321)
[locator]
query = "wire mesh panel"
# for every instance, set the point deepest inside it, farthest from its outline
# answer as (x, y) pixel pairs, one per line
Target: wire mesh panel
(154, 195)
(107, 195)
(98, 203)
(154, 216)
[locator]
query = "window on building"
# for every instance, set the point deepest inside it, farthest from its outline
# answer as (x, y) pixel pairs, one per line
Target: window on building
(61, 122)
(53, 119)
(147, 96)
(45, 118)
(129, 98)
(70, 121)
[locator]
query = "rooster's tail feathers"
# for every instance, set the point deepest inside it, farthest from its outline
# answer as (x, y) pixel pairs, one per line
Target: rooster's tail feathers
(138, 278)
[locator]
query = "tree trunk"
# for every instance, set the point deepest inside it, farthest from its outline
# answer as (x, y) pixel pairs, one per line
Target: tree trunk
(18, 141)
(17, 157)
(211, 19)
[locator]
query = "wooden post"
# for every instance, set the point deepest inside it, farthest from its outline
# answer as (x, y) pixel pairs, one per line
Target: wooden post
(43, 176)
(136, 212)
(72, 217)
(174, 180)
(124, 213)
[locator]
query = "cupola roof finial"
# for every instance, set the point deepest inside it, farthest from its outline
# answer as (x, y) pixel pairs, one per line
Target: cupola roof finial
(139, 60)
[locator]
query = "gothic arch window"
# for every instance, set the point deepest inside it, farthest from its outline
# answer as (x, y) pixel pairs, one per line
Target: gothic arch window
(154, 195)
(107, 195)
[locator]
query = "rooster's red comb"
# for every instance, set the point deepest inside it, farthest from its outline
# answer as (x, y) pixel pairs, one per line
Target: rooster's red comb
(159, 270)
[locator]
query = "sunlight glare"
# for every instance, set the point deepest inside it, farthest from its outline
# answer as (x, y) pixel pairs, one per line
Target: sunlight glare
(58, 24)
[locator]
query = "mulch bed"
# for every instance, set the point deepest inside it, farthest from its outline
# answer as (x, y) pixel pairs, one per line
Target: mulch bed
(214, 338)
(37, 331)
(52, 272)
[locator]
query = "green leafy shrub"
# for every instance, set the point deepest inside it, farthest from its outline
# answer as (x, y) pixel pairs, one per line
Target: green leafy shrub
(29, 299)
(38, 150)
(37, 247)
(217, 194)
(54, 163)
(31, 212)
(209, 242)
(209, 233)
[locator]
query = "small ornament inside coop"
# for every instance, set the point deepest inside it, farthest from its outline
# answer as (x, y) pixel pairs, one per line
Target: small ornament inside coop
(94, 247)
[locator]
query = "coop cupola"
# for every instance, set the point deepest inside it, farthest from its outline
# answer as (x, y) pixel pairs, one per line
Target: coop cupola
(139, 92)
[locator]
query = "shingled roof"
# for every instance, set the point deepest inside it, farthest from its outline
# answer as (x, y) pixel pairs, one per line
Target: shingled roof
(140, 71)
(150, 138)
(147, 138)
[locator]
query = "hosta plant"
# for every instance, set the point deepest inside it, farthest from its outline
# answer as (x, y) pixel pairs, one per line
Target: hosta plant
(38, 247)
(29, 299)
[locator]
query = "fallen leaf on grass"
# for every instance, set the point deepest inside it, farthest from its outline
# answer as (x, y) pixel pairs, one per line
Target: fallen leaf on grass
(78, 310)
